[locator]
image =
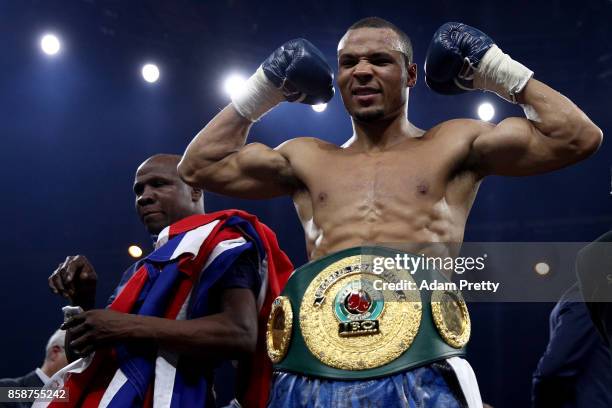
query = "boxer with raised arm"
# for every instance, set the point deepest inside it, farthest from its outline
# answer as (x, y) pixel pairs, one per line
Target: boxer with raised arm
(390, 182)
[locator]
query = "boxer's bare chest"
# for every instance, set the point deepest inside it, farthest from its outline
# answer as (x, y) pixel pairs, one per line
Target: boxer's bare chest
(415, 192)
(417, 173)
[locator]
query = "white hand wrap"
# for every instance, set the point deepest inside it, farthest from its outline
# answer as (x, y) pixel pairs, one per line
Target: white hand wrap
(258, 96)
(499, 73)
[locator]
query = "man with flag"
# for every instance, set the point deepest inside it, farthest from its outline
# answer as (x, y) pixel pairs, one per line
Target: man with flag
(202, 295)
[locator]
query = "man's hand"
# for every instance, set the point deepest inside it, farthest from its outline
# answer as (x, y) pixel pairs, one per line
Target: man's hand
(75, 279)
(461, 58)
(296, 71)
(96, 328)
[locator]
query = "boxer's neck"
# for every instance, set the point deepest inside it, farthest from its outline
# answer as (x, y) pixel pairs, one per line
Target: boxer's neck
(382, 134)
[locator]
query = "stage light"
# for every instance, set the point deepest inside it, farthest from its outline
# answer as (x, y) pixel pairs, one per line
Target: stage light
(542, 268)
(150, 73)
(50, 44)
(135, 251)
(486, 111)
(233, 84)
(319, 107)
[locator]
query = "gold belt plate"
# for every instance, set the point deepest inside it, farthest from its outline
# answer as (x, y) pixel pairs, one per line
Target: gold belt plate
(280, 323)
(451, 317)
(348, 324)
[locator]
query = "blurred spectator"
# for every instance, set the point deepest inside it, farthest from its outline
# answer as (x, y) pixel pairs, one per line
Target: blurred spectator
(55, 359)
(594, 269)
(576, 369)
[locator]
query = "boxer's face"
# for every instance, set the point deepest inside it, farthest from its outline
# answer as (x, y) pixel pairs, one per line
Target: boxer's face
(372, 74)
(162, 198)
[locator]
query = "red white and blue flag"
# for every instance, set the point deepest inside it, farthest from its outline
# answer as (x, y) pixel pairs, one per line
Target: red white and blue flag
(173, 282)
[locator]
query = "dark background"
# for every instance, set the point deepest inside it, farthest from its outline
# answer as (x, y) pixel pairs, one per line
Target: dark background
(73, 129)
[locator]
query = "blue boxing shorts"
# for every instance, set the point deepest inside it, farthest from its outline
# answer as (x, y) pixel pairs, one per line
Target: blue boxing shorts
(444, 384)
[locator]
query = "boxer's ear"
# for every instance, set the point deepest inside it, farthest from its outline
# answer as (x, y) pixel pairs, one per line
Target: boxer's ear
(411, 74)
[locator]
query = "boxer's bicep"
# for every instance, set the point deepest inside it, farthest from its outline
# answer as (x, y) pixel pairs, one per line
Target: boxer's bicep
(255, 172)
(515, 147)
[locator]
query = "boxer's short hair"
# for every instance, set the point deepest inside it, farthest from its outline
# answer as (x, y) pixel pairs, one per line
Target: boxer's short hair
(377, 22)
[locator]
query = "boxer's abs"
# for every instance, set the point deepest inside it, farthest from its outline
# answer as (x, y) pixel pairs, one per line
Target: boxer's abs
(413, 226)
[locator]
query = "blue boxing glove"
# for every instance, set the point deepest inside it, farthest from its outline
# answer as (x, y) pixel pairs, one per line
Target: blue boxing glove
(300, 70)
(461, 58)
(296, 71)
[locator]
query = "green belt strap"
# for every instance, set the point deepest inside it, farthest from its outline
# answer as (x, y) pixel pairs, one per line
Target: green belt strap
(427, 346)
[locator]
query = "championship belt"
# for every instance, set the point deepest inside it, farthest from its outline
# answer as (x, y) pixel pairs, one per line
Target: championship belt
(339, 317)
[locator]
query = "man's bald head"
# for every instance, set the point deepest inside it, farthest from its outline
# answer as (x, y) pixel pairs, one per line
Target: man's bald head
(162, 159)
(162, 198)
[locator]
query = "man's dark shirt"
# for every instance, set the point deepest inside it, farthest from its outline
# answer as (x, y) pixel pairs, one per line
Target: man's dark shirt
(576, 369)
(244, 273)
(594, 270)
(31, 379)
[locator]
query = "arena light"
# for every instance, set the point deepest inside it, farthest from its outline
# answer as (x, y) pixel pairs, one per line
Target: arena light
(150, 73)
(233, 84)
(542, 268)
(319, 107)
(486, 111)
(50, 44)
(135, 251)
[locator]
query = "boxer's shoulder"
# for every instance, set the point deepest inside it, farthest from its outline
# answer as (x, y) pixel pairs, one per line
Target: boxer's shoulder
(462, 126)
(307, 156)
(458, 130)
(453, 140)
(305, 146)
